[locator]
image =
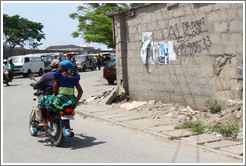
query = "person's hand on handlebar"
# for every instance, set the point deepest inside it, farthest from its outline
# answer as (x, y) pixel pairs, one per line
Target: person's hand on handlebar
(32, 84)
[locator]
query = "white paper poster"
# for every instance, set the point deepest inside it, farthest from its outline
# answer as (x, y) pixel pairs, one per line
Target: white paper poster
(156, 52)
(147, 40)
(172, 55)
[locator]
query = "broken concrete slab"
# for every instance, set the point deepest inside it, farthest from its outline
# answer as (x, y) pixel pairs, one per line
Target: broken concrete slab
(131, 106)
(129, 117)
(133, 115)
(201, 139)
(179, 133)
(222, 143)
(119, 91)
(237, 149)
(162, 128)
(143, 123)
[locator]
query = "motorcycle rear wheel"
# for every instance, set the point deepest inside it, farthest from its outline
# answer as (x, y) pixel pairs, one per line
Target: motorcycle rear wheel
(31, 124)
(57, 136)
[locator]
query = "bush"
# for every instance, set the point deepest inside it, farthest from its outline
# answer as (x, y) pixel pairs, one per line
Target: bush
(194, 126)
(213, 107)
(226, 130)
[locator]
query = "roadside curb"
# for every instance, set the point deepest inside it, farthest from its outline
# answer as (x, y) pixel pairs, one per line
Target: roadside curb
(162, 135)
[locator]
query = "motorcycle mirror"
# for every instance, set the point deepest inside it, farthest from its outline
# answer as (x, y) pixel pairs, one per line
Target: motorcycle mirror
(31, 76)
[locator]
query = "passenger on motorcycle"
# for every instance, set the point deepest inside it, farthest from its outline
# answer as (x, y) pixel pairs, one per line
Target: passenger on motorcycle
(63, 92)
(12, 69)
(45, 84)
(6, 68)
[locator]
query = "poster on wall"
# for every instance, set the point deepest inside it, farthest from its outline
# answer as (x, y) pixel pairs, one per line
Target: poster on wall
(172, 54)
(147, 40)
(163, 53)
(156, 47)
(156, 52)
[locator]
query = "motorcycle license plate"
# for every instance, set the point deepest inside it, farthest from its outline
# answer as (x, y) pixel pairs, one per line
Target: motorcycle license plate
(70, 117)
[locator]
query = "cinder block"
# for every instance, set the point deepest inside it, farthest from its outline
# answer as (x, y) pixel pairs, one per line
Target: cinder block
(220, 27)
(240, 13)
(158, 35)
(224, 94)
(208, 92)
(211, 82)
(236, 26)
(215, 49)
(212, 17)
(179, 12)
(159, 87)
(177, 98)
(199, 100)
(138, 36)
(154, 78)
(232, 14)
(215, 38)
(206, 28)
(221, 5)
(158, 15)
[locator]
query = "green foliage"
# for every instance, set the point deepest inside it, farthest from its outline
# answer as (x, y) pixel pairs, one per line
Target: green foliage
(174, 138)
(94, 24)
(18, 30)
(227, 130)
(214, 107)
(194, 126)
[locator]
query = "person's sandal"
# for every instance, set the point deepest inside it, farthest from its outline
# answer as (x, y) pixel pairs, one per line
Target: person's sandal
(42, 124)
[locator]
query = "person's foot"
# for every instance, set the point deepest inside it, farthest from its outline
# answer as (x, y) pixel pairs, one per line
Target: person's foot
(43, 124)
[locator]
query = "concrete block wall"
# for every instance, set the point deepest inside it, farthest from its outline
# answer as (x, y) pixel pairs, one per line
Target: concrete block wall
(208, 42)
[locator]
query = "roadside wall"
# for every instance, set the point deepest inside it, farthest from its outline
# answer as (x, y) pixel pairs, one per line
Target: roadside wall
(208, 42)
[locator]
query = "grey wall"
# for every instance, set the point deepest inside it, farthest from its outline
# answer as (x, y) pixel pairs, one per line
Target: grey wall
(208, 42)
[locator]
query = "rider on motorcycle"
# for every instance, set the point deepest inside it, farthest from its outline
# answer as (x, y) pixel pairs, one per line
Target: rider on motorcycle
(6, 69)
(12, 69)
(45, 84)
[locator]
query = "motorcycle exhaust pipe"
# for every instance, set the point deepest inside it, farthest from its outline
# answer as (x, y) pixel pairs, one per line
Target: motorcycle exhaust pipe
(67, 132)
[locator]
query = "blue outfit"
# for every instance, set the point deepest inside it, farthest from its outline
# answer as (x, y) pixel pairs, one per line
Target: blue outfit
(65, 96)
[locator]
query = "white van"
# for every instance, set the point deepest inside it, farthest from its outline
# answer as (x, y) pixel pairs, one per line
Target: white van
(27, 64)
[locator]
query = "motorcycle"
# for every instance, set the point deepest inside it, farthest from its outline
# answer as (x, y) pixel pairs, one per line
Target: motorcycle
(58, 123)
(6, 77)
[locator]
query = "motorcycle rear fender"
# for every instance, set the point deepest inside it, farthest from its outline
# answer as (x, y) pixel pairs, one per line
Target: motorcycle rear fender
(67, 117)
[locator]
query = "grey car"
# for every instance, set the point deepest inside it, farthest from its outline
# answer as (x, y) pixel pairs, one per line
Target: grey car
(84, 62)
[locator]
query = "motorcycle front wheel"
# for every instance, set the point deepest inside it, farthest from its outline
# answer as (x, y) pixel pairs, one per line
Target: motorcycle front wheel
(32, 128)
(56, 133)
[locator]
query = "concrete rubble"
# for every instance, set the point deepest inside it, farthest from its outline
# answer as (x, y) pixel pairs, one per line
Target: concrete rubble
(159, 119)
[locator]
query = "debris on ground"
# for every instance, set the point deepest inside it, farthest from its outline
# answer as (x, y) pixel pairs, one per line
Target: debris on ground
(101, 96)
(131, 106)
(173, 110)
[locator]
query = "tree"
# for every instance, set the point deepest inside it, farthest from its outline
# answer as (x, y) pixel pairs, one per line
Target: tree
(94, 24)
(18, 31)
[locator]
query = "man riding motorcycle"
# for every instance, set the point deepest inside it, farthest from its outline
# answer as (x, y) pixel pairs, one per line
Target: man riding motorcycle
(45, 84)
(8, 76)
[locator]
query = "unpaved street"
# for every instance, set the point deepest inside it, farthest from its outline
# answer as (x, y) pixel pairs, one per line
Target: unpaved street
(95, 141)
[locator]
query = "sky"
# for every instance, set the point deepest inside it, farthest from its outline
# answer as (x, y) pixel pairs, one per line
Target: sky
(58, 26)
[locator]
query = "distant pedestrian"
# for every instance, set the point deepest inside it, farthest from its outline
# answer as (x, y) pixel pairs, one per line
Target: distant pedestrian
(99, 62)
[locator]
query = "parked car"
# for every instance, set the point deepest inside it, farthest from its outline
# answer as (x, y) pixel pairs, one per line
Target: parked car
(107, 56)
(47, 58)
(28, 64)
(109, 71)
(84, 62)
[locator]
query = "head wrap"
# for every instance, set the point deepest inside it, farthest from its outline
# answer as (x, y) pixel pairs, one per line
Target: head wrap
(67, 64)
